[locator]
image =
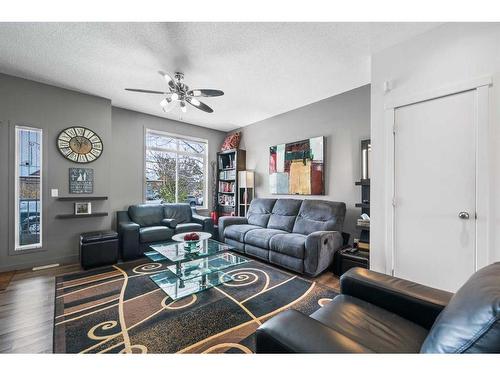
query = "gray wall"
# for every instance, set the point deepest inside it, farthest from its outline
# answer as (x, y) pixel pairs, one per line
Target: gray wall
(52, 109)
(343, 119)
(118, 173)
(127, 173)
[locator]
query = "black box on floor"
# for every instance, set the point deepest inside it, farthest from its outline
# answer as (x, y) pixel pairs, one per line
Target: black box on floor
(347, 259)
(98, 249)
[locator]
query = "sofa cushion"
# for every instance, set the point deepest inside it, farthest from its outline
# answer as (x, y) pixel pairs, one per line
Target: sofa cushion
(470, 323)
(371, 326)
(237, 232)
(318, 215)
(259, 211)
(146, 214)
(188, 227)
(257, 252)
(284, 213)
(292, 244)
(261, 237)
(181, 212)
(286, 261)
(155, 233)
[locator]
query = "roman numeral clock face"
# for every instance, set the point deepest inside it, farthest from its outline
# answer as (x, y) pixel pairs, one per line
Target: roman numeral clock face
(79, 144)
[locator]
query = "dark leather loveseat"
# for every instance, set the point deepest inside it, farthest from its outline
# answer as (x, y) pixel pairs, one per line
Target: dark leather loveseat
(301, 235)
(376, 313)
(145, 224)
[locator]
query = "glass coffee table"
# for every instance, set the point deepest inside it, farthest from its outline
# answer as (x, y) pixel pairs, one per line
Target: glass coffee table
(192, 271)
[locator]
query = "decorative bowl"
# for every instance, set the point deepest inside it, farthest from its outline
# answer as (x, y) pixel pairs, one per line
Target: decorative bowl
(191, 246)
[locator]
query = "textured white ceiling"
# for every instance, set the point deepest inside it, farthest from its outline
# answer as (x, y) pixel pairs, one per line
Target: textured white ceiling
(264, 68)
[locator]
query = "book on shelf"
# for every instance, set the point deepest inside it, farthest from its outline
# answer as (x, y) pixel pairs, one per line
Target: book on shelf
(363, 245)
(227, 175)
(226, 187)
(363, 223)
(226, 200)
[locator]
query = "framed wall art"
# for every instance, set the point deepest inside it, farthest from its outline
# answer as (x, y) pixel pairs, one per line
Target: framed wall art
(297, 167)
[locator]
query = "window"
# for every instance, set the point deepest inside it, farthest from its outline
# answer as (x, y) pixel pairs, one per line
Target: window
(175, 169)
(28, 188)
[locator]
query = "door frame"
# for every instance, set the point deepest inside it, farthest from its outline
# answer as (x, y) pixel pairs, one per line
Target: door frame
(484, 219)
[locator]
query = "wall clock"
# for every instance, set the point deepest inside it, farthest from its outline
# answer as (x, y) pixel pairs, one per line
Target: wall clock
(79, 144)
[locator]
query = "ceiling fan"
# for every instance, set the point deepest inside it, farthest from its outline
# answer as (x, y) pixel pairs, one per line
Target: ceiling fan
(180, 93)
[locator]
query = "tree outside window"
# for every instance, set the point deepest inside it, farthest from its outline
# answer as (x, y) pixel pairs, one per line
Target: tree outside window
(175, 169)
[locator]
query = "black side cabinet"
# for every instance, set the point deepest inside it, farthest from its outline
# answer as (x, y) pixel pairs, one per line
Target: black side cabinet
(98, 249)
(346, 260)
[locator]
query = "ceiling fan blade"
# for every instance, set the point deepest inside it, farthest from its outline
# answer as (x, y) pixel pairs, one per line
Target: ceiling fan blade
(171, 83)
(196, 103)
(148, 91)
(205, 92)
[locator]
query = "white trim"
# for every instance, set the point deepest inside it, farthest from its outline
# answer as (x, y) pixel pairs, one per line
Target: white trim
(38, 245)
(173, 135)
(177, 152)
(485, 221)
(483, 240)
(472, 84)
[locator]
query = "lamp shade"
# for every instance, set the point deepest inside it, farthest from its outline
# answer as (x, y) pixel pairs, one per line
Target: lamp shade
(246, 179)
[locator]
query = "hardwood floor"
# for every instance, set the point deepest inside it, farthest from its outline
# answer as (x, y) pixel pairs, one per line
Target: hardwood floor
(27, 309)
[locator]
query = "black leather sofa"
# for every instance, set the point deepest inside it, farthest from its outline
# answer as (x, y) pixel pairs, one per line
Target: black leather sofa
(376, 313)
(145, 224)
(301, 235)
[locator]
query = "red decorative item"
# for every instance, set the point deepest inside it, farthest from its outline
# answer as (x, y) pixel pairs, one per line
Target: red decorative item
(191, 237)
(232, 141)
(214, 216)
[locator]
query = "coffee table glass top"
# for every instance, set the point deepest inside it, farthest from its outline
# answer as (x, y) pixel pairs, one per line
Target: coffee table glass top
(186, 278)
(196, 268)
(176, 251)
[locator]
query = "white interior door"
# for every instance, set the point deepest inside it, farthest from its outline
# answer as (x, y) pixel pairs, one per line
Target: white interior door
(435, 191)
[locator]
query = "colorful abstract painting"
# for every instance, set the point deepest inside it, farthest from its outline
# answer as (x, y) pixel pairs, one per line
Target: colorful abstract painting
(297, 167)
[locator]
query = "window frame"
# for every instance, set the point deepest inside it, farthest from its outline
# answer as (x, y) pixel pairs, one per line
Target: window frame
(177, 152)
(38, 246)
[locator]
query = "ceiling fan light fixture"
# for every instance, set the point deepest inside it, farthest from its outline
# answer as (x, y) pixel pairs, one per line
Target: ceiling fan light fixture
(174, 96)
(183, 107)
(165, 102)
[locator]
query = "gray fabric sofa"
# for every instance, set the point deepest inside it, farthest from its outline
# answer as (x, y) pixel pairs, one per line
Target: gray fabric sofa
(301, 235)
(144, 224)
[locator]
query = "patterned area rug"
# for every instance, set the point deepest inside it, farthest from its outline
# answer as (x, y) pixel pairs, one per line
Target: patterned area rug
(119, 309)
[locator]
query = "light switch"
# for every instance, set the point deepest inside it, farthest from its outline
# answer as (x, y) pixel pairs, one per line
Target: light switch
(54, 192)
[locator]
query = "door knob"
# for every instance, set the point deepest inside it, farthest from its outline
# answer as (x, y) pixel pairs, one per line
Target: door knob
(463, 215)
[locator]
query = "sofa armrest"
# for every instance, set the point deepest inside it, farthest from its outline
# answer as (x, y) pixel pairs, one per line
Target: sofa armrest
(205, 221)
(226, 221)
(320, 249)
(128, 233)
(415, 302)
(171, 223)
(294, 332)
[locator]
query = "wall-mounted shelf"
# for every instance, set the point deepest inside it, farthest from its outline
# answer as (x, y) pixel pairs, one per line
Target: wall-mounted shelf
(362, 205)
(365, 182)
(73, 216)
(80, 198)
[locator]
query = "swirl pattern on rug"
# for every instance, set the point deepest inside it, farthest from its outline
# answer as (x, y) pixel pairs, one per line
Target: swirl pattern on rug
(119, 309)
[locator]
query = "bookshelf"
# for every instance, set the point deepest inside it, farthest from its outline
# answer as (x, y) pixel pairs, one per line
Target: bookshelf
(229, 163)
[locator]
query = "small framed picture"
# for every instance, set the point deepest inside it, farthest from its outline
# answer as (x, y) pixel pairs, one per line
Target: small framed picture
(83, 208)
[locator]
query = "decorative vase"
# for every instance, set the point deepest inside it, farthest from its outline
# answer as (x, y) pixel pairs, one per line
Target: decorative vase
(214, 216)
